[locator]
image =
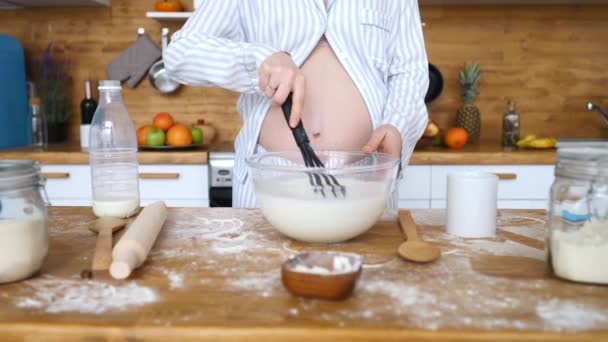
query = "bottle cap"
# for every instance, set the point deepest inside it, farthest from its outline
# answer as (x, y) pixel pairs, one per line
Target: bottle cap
(511, 106)
(35, 101)
(109, 85)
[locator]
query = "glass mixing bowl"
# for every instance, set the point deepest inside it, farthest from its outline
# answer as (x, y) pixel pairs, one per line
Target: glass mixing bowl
(289, 202)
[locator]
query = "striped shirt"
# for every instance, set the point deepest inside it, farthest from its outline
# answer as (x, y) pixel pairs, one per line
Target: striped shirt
(379, 43)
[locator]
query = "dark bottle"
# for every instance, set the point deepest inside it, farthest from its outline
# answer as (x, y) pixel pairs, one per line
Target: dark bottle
(510, 127)
(87, 105)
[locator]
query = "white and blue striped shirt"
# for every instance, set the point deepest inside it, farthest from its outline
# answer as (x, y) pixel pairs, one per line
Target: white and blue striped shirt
(379, 43)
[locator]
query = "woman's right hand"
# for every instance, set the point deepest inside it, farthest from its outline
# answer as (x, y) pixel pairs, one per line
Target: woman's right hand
(279, 76)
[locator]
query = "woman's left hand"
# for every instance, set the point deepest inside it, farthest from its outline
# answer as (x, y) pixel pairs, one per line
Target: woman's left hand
(386, 139)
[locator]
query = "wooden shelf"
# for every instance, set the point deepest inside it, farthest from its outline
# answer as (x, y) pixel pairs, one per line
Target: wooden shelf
(169, 16)
(15, 4)
(512, 2)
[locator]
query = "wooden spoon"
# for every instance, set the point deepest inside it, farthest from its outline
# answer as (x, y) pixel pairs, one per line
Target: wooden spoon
(104, 227)
(414, 249)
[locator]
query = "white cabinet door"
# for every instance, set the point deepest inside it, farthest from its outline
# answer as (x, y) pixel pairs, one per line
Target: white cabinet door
(177, 185)
(416, 183)
(414, 204)
(68, 185)
(525, 182)
(503, 204)
(174, 182)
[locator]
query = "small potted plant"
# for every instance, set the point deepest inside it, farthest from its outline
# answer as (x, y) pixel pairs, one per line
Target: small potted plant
(53, 91)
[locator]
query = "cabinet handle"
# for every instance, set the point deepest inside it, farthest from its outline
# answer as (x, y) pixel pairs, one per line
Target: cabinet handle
(55, 175)
(159, 175)
(506, 176)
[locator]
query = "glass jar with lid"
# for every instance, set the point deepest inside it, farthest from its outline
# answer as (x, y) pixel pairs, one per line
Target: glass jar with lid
(578, 217)
(23, 220)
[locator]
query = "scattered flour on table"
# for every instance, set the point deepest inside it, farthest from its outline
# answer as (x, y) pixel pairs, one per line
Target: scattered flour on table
(564, 315)
(264, 284)
(176, 280)
(56, 295)
(214, 236)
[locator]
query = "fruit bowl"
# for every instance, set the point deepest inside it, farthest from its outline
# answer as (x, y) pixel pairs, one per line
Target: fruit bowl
(287, 199)
(172, 148)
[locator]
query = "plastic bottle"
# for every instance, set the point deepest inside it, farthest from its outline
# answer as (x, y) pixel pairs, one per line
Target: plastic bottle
(113, 155)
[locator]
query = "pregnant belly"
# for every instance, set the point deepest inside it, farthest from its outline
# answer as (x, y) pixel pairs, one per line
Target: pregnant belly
(335, 115)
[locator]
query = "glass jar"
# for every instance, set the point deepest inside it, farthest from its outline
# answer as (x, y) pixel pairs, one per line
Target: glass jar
(578, 217)
(23, 220)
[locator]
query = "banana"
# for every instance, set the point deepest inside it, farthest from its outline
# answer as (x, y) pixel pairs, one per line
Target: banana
(542, 143)
(526, 140)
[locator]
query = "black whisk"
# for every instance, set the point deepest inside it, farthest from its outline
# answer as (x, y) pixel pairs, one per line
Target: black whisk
(317, 180)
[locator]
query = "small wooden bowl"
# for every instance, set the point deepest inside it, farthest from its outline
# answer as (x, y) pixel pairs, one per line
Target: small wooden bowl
(323, 275)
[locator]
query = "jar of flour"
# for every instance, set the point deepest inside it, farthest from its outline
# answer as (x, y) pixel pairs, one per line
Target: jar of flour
(23, 220)
(578, 217)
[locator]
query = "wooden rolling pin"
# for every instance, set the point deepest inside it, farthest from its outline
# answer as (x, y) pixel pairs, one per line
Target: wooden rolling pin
(133, 248)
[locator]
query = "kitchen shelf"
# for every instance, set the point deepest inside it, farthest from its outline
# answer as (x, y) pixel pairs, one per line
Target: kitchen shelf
(169, 16)
(512, 2)
(15, 4)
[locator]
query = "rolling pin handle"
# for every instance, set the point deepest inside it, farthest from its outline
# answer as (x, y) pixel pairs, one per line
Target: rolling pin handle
(123, 265)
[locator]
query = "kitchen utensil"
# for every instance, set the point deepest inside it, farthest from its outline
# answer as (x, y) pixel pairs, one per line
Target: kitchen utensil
(435, 84)
(104, 227)
(323, 275)
(16, 127)
(133, 64)
(602, 114)
(311, 159)
(471, 204)
(414, 249)
(282, 189)
(158, 76)
(133, 248)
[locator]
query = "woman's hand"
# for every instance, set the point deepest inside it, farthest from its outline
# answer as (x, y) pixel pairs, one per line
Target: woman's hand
(279, 76)
(386, 139)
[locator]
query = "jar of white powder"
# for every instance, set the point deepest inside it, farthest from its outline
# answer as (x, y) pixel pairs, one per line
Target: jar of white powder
(578, 217)
(23, 220)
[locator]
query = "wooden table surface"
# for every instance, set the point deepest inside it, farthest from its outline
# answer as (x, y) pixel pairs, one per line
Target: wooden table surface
(483, 155)
(214, 274)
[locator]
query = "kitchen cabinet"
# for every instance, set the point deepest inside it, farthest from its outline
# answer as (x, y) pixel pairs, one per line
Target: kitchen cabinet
(53, 3)
(178, 185)
(520, 186)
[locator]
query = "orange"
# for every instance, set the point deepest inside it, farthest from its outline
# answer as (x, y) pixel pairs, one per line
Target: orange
(179, 135)
(163, 121)
(141, 134)
(168, 6)
(456, 137)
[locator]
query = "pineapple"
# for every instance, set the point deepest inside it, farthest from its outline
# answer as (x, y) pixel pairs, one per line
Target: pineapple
(468, 115)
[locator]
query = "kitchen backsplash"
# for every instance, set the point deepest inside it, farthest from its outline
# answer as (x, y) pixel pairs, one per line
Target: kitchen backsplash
(550, 59)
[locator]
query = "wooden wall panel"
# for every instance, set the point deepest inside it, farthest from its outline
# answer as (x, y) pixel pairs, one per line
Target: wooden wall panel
(550, 59)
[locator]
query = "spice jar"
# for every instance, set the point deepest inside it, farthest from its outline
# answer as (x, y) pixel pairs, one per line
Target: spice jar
(578, 218)
(23, 220)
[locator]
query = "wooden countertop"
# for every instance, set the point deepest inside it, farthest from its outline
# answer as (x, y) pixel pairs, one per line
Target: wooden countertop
(214, 274)
(73, 154)
(488, 155)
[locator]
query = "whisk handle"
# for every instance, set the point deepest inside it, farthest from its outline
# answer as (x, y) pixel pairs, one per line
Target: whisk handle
(298, 132)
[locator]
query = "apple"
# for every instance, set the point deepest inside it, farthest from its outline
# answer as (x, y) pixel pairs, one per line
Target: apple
(432, 129)
(155, 137)
(197, 135)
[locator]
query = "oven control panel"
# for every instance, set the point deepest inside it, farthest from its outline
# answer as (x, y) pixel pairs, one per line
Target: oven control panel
(220, 173)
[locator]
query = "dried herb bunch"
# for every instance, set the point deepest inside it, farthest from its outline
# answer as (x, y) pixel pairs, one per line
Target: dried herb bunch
(52, 87)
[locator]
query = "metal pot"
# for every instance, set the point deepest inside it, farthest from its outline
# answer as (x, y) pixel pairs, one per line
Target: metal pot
(602, 114)
(157, 75)
(435, 84)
